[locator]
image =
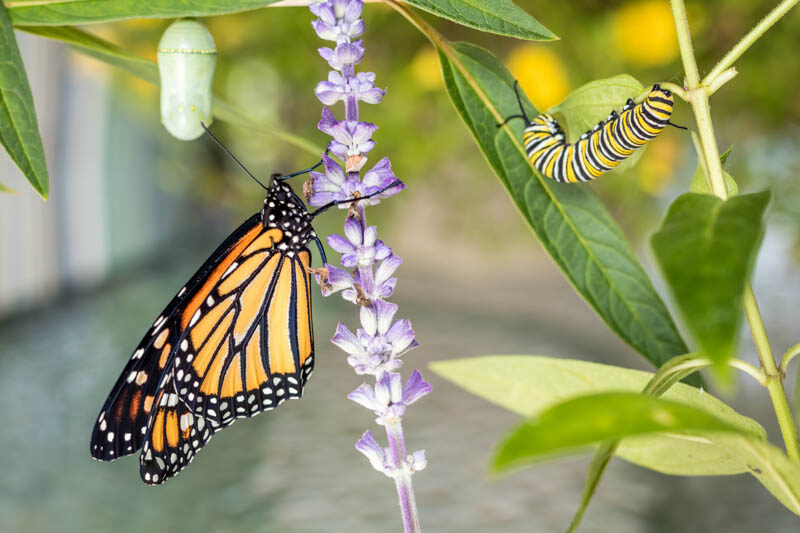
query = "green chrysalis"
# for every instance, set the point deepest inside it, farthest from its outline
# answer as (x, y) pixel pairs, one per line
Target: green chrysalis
(187, 56)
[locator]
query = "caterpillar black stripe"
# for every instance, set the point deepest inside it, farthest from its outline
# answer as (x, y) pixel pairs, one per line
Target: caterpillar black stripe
(600, 149)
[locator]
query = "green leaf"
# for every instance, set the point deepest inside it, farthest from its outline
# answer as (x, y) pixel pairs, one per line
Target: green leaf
(769, 465)
(670, 373)
(62, 13)
(706, 247)
(589, 104)
(571, 222)
(527, 385)
(594, 418)
(107, 52)
(19, 130)
(502, 17)
(7, 189)
(700, 182)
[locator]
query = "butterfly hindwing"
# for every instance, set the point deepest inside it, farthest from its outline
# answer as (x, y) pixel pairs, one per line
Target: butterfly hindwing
(173, 438)
(251, 345)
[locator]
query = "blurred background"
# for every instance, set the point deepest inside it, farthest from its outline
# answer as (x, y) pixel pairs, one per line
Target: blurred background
(133, 212)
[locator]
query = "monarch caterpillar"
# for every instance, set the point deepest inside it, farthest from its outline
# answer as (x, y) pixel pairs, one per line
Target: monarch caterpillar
(235, 341)
(187, 57)
(600, 149)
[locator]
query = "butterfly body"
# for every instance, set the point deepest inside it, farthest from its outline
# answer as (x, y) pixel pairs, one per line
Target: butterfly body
(236, 340)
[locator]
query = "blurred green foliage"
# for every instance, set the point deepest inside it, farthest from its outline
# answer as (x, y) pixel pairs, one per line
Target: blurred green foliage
(260, 72)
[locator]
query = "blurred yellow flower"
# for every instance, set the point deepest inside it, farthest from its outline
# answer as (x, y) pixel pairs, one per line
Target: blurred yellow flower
(541, 74)
(644, 33)
(425, 69)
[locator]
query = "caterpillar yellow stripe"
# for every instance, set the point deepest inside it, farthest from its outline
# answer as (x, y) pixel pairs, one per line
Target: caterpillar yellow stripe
(600, 149)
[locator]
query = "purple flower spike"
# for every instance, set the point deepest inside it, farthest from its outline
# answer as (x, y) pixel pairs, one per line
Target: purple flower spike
(366, 278)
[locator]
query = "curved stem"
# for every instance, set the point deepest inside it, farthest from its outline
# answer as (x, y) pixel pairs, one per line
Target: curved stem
(748, 40)
(721, 80)
(699, 100)
(747, 368)
(790, 354)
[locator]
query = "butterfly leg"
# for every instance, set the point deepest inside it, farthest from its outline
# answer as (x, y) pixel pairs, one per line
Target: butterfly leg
(306, 171)
(327, 206)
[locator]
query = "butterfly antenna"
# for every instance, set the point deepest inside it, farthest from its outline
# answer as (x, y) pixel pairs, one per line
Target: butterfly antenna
(225, 149)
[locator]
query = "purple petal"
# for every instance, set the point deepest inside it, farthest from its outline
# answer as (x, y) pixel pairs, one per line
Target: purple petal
(418, 461)
(347, 341)
(388, 390)
(324, 11)
(349, 260)
(352, 230)
(328, 54)
(370, 448)
(370, 235)
(379, 175)
(325, 31)
(384, 312)
(401, 335)
(372, 96)
(415, 388)
(387, 268)
(340, 244)
(353, 10)
(339, 8)
(328, 93)
(369, 320)
(365, 395)
(381, 250)
(327, 122)
(338, 278)
(385, 289)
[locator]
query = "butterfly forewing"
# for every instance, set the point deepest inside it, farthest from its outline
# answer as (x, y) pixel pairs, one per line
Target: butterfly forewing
(250, 345)
(122, 423)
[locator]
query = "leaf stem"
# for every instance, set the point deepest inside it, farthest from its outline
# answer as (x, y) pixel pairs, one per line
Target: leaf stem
(747, 41)
(698, 97)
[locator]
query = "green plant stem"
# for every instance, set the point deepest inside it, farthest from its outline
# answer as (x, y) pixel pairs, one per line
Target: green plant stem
(747, 41)
(773, 376)
(698, 97)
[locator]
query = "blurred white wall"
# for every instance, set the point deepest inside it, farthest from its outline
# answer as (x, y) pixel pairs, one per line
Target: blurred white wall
(45, 245)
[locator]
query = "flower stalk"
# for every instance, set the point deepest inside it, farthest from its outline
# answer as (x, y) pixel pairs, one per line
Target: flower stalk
(365, 277)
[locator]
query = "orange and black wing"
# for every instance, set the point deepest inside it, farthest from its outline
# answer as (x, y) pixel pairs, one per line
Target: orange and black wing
(174, 436)
(121, 427)
(248, 344)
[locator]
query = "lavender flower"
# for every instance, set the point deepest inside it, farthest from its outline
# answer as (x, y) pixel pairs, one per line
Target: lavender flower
(376, 348)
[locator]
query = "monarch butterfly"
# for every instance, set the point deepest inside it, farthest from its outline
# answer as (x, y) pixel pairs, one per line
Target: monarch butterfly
(236, 340)
(600, 149)
(187, 57)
